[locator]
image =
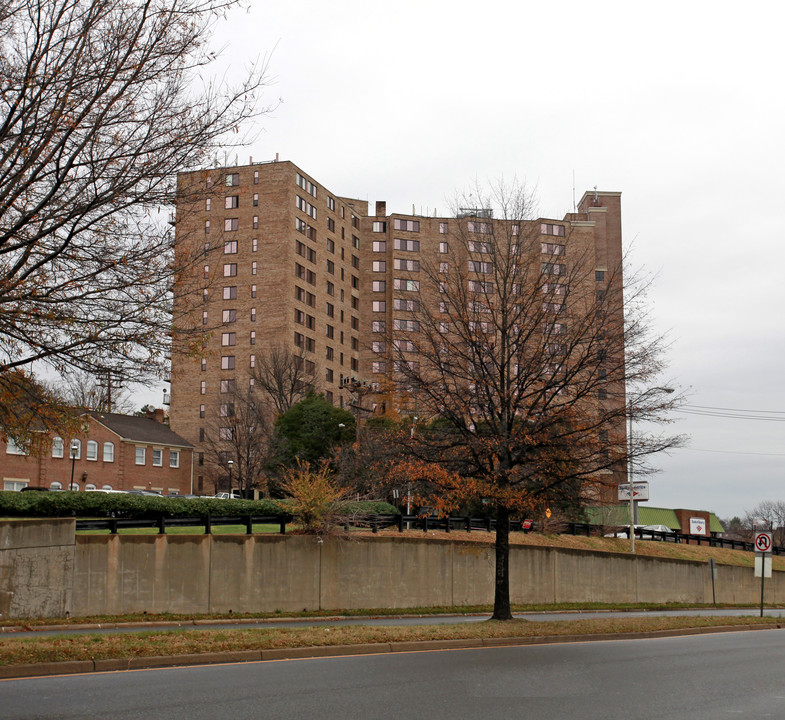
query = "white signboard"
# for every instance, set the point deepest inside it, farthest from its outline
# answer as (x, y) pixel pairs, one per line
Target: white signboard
(762, 542)
(640, 491)
(698, 526)
(762, 565)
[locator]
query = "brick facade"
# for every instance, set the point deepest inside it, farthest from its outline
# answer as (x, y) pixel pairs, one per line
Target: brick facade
(106, 459)
(287, 262)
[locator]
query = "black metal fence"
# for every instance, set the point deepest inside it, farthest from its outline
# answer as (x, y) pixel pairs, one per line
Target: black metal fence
(401, 523)
(675, 537)
(374, 522)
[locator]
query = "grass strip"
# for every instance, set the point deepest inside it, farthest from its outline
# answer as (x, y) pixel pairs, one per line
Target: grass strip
(371, 612)
(21, 651)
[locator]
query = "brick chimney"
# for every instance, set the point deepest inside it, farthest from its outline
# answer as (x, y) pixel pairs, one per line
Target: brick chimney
(381, 208)
(156, 414)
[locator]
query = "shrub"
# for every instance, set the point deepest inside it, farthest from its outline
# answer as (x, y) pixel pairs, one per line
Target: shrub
(315, 500)
(98, 504)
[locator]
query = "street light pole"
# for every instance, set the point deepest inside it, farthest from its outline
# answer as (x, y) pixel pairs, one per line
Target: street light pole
(630, 449)
(629, 480)
(230, 463)
(74, 448)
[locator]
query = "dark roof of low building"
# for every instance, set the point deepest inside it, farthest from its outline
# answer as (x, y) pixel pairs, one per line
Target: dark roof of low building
(140, 429)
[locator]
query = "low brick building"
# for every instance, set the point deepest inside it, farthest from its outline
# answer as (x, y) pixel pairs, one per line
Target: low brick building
(115, 452)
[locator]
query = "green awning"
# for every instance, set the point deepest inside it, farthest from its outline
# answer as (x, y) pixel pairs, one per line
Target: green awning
(617, 515)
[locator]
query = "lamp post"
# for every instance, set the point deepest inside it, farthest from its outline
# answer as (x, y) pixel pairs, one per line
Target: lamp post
(74, 450)
(230, 463)
(630, 478)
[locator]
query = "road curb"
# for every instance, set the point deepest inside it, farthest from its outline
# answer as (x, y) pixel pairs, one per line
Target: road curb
(76, 667)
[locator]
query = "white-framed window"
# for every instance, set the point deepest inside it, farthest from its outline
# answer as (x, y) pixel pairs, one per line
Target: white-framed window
(12, 448)
(92, 450)
(174, 458)
(14, 484)
(108, 452)
(89, 486)
(55, 485)
(74, 486)
(140, 454)
(404, 284)
(407, 245)
(408, 225)
(379, 246)
(106, 487)
(58, 447)
(379, 266)
(378, 286)
(158, 457)
(379, 306)
(403, 264)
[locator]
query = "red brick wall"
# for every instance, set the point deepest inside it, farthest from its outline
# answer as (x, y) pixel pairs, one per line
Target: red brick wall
(121, 474)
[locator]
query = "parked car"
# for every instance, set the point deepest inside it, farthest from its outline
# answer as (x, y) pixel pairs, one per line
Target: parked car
(227, 496)
(641, 533)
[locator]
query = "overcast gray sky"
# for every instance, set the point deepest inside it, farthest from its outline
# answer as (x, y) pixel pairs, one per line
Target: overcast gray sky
(678, 105)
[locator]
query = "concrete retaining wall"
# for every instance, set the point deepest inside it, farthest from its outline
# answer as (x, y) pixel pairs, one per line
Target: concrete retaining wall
(46, 571)
(36, 567)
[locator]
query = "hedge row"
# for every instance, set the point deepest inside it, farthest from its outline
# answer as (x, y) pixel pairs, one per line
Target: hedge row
(98, 504)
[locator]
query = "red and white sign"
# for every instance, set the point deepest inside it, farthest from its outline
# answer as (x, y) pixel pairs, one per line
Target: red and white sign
(762, 542)
(640, 491)
(698, 526)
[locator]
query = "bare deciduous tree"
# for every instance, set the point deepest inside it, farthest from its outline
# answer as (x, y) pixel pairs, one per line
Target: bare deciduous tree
(101, 103)
(84, 392)
(769, 515)
(524, 369)
(241, 428)
(241, 432)
(284, 377)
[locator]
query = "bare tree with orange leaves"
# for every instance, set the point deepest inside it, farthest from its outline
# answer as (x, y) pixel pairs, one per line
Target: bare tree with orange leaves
(527, 363)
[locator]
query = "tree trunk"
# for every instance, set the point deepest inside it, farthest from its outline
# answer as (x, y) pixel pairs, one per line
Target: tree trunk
(501, 598)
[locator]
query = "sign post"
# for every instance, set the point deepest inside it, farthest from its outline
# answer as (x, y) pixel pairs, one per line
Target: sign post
(762, 543)
(633, 492)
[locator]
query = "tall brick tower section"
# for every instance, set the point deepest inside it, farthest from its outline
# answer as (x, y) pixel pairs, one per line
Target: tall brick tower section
(284, 262)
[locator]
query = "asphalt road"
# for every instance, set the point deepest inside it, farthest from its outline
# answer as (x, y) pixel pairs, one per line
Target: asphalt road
(425, 620)
(707, 677)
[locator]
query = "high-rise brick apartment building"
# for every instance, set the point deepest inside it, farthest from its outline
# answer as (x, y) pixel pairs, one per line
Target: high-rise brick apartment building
(288, 263)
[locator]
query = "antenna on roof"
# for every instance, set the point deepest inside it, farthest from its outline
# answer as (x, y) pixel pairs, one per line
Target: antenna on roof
(574, 206)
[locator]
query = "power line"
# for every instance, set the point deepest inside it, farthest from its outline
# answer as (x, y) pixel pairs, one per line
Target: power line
(735, 452)
(709, 407)
(732, 413)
